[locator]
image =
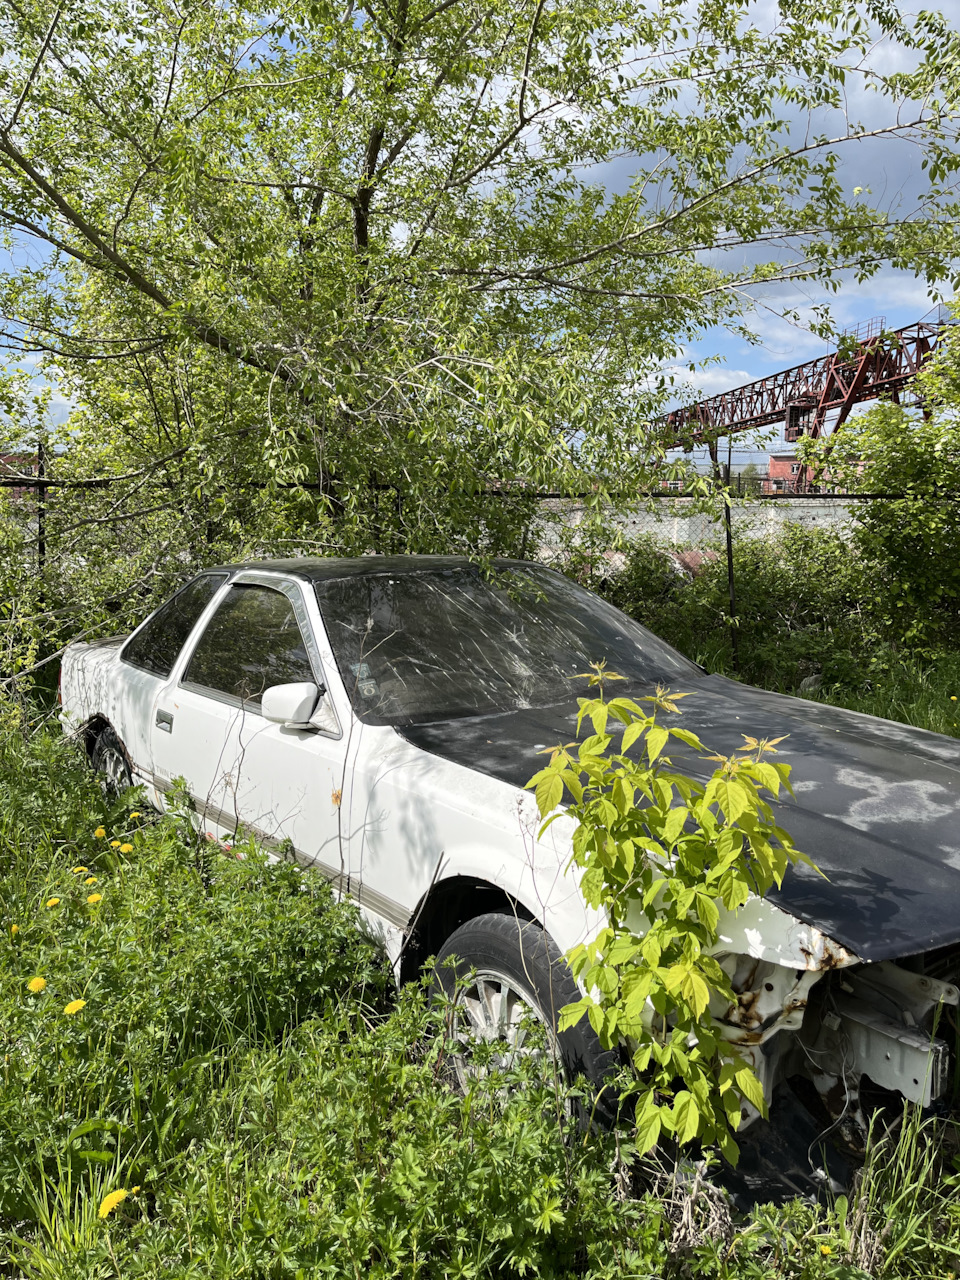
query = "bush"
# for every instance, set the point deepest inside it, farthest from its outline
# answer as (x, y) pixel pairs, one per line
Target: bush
(911, 541)
(800, 607)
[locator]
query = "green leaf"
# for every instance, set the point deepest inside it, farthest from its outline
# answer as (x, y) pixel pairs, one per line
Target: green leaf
(549, 793)
(708, 912)
(686, 1117)
(657, 737)
(749, 1086)
(571, 1014)
(697, 993)
(648, 1128)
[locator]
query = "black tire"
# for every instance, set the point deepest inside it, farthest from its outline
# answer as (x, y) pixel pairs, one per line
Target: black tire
(521, 953)
(110, 763)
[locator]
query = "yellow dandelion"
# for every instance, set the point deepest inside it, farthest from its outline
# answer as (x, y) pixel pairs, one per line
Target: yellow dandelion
(94, 898)
(36, 985)
(135, 815)
(90, 880)
(14, 930)
(953, 697)
(53, 902)
(126, 848)
(134, 1190)
(114, 844)
(74, 1007)
(826, 1250)
(110, 1202)
(100, 832)
(78, 871)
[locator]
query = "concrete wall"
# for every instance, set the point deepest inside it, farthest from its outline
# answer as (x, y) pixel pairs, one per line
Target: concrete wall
(675, 522)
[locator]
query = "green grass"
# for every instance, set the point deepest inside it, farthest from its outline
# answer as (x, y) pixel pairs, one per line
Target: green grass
(924, 692)
(243, 1073)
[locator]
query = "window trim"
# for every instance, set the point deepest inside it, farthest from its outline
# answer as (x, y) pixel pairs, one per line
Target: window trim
(294, 593)
(224, 579)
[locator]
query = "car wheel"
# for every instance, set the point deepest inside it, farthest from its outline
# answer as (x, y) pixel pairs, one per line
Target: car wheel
(110, 763)
(507, 981)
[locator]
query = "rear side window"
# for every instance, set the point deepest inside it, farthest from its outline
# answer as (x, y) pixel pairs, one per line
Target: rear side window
(252, 642)
(156, 646)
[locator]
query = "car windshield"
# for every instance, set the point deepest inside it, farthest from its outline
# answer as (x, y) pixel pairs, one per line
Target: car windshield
(432, 645)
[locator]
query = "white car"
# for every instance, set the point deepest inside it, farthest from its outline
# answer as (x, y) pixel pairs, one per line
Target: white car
(378, 717)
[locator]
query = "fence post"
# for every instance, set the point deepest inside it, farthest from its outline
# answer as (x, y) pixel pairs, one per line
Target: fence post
(731, 583)
(41, 504)
(722, 481)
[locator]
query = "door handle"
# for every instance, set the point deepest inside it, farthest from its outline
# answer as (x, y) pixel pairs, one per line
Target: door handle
(165, 721)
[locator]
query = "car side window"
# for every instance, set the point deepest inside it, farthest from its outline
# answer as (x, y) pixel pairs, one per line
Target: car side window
(252, 642)
(156, 646)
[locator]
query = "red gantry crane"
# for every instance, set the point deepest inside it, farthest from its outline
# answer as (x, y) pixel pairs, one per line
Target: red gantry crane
(871, 363)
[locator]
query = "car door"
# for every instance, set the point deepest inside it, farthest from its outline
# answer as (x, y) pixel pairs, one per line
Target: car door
(282, 783)
(147, 661)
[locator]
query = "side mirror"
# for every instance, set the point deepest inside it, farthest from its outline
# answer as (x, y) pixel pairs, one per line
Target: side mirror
(290, 704)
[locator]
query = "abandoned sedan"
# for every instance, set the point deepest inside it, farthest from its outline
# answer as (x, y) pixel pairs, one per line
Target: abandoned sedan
(379, 718)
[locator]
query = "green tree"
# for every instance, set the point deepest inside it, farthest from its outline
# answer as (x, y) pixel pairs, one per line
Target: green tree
(749, 479)
(374, 248)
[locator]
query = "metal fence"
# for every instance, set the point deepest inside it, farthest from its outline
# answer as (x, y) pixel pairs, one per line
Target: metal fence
(689, 528)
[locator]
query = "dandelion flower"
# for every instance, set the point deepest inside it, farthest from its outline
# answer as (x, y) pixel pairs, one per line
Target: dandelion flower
(134, 1190)
(110, 1202)
(53, 902)
(953, 697)
(826, 1250)
(14, 930)
(94, 898)
(36, 985)
(78, 871)
(135, 815)
(90, 880)
(126, 848)
(114, 844)
(74, 1007)
(100, 832)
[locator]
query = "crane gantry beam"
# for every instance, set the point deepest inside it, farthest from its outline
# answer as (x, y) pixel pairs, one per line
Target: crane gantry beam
(872, 363)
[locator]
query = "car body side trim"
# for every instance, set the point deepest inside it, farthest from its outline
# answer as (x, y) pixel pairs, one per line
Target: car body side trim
(343, 883)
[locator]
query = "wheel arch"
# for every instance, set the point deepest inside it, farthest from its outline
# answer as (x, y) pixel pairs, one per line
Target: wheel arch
(91, 731)
(446, 906)
(94, 728)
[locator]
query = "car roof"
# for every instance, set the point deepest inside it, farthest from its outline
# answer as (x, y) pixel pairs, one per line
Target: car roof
(328, 568)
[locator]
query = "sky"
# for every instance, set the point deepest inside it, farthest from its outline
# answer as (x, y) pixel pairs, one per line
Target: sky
(890, 170)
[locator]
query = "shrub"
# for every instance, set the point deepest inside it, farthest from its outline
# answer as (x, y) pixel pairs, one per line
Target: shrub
(801, 607)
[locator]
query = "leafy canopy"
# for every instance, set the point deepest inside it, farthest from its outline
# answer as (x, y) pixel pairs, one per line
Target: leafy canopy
(409, 262)
(394, 216)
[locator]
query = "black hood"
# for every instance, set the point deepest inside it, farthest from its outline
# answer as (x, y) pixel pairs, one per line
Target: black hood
(877, 803)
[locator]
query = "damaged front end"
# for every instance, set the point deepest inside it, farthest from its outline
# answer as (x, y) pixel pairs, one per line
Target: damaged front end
(863, 1035)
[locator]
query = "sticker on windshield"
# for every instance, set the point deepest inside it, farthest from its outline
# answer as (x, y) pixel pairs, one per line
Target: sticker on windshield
(367, 687)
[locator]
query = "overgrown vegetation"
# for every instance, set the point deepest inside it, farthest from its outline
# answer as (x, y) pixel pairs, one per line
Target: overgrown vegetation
(810, 607)
(238, 1094)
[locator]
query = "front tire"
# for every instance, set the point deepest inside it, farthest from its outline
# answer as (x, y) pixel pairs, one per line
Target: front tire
(501, 974)
(110, 764)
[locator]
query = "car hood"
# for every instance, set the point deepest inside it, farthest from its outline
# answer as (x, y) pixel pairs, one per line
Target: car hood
(877, 804)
